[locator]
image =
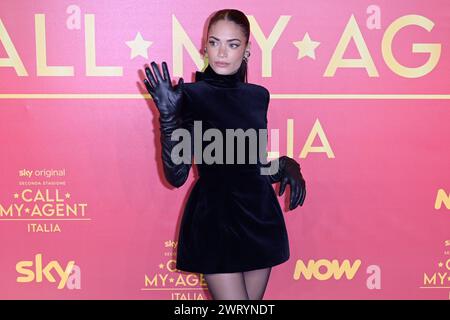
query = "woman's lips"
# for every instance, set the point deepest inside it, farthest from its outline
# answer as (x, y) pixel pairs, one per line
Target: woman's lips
(221, 64)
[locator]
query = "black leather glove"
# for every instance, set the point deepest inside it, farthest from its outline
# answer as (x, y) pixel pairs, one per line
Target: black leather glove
(289, 173)
(168, 100)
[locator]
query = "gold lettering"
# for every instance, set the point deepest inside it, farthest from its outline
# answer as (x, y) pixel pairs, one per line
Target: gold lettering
(41, 52)
(13, 59)
(351, 31)
(434, 49)
(91, 68)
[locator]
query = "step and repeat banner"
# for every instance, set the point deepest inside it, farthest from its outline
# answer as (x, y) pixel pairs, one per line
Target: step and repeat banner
(360, 97)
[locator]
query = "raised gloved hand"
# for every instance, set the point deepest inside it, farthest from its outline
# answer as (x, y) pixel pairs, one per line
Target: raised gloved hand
(166, 97)
(168, 100)
(289, 173)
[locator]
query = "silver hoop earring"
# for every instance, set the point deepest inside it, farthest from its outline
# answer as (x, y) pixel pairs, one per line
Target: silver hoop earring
(246, 57)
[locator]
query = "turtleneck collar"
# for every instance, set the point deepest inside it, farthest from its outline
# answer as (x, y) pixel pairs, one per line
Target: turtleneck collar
(219, 80)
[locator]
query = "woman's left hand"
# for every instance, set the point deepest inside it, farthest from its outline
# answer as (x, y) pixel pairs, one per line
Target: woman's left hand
(290, 174)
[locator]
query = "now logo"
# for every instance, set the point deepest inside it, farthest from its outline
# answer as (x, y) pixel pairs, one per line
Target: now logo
(30, 271)
(323, 269)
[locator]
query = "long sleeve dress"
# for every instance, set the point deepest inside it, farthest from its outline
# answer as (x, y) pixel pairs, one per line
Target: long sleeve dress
(232, 221)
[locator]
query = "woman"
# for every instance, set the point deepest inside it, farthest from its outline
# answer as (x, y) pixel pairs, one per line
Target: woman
(233, 229)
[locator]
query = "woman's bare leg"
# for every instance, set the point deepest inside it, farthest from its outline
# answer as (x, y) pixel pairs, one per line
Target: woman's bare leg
(256, 282)
(226, 286)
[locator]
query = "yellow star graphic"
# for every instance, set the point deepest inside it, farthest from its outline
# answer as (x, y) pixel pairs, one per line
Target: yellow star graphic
(16, 195)
(306, 47)
(27, 210)
(161, 266)
(440, 264)
(139, 46)
(67, 195)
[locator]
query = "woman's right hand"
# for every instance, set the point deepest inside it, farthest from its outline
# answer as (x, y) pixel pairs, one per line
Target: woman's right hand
(166, 97)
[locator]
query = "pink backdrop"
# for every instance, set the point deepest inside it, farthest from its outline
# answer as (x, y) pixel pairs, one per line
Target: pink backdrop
(372, 141)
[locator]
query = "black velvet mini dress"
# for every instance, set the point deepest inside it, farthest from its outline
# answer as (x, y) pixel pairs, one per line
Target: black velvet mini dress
(232, 221)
